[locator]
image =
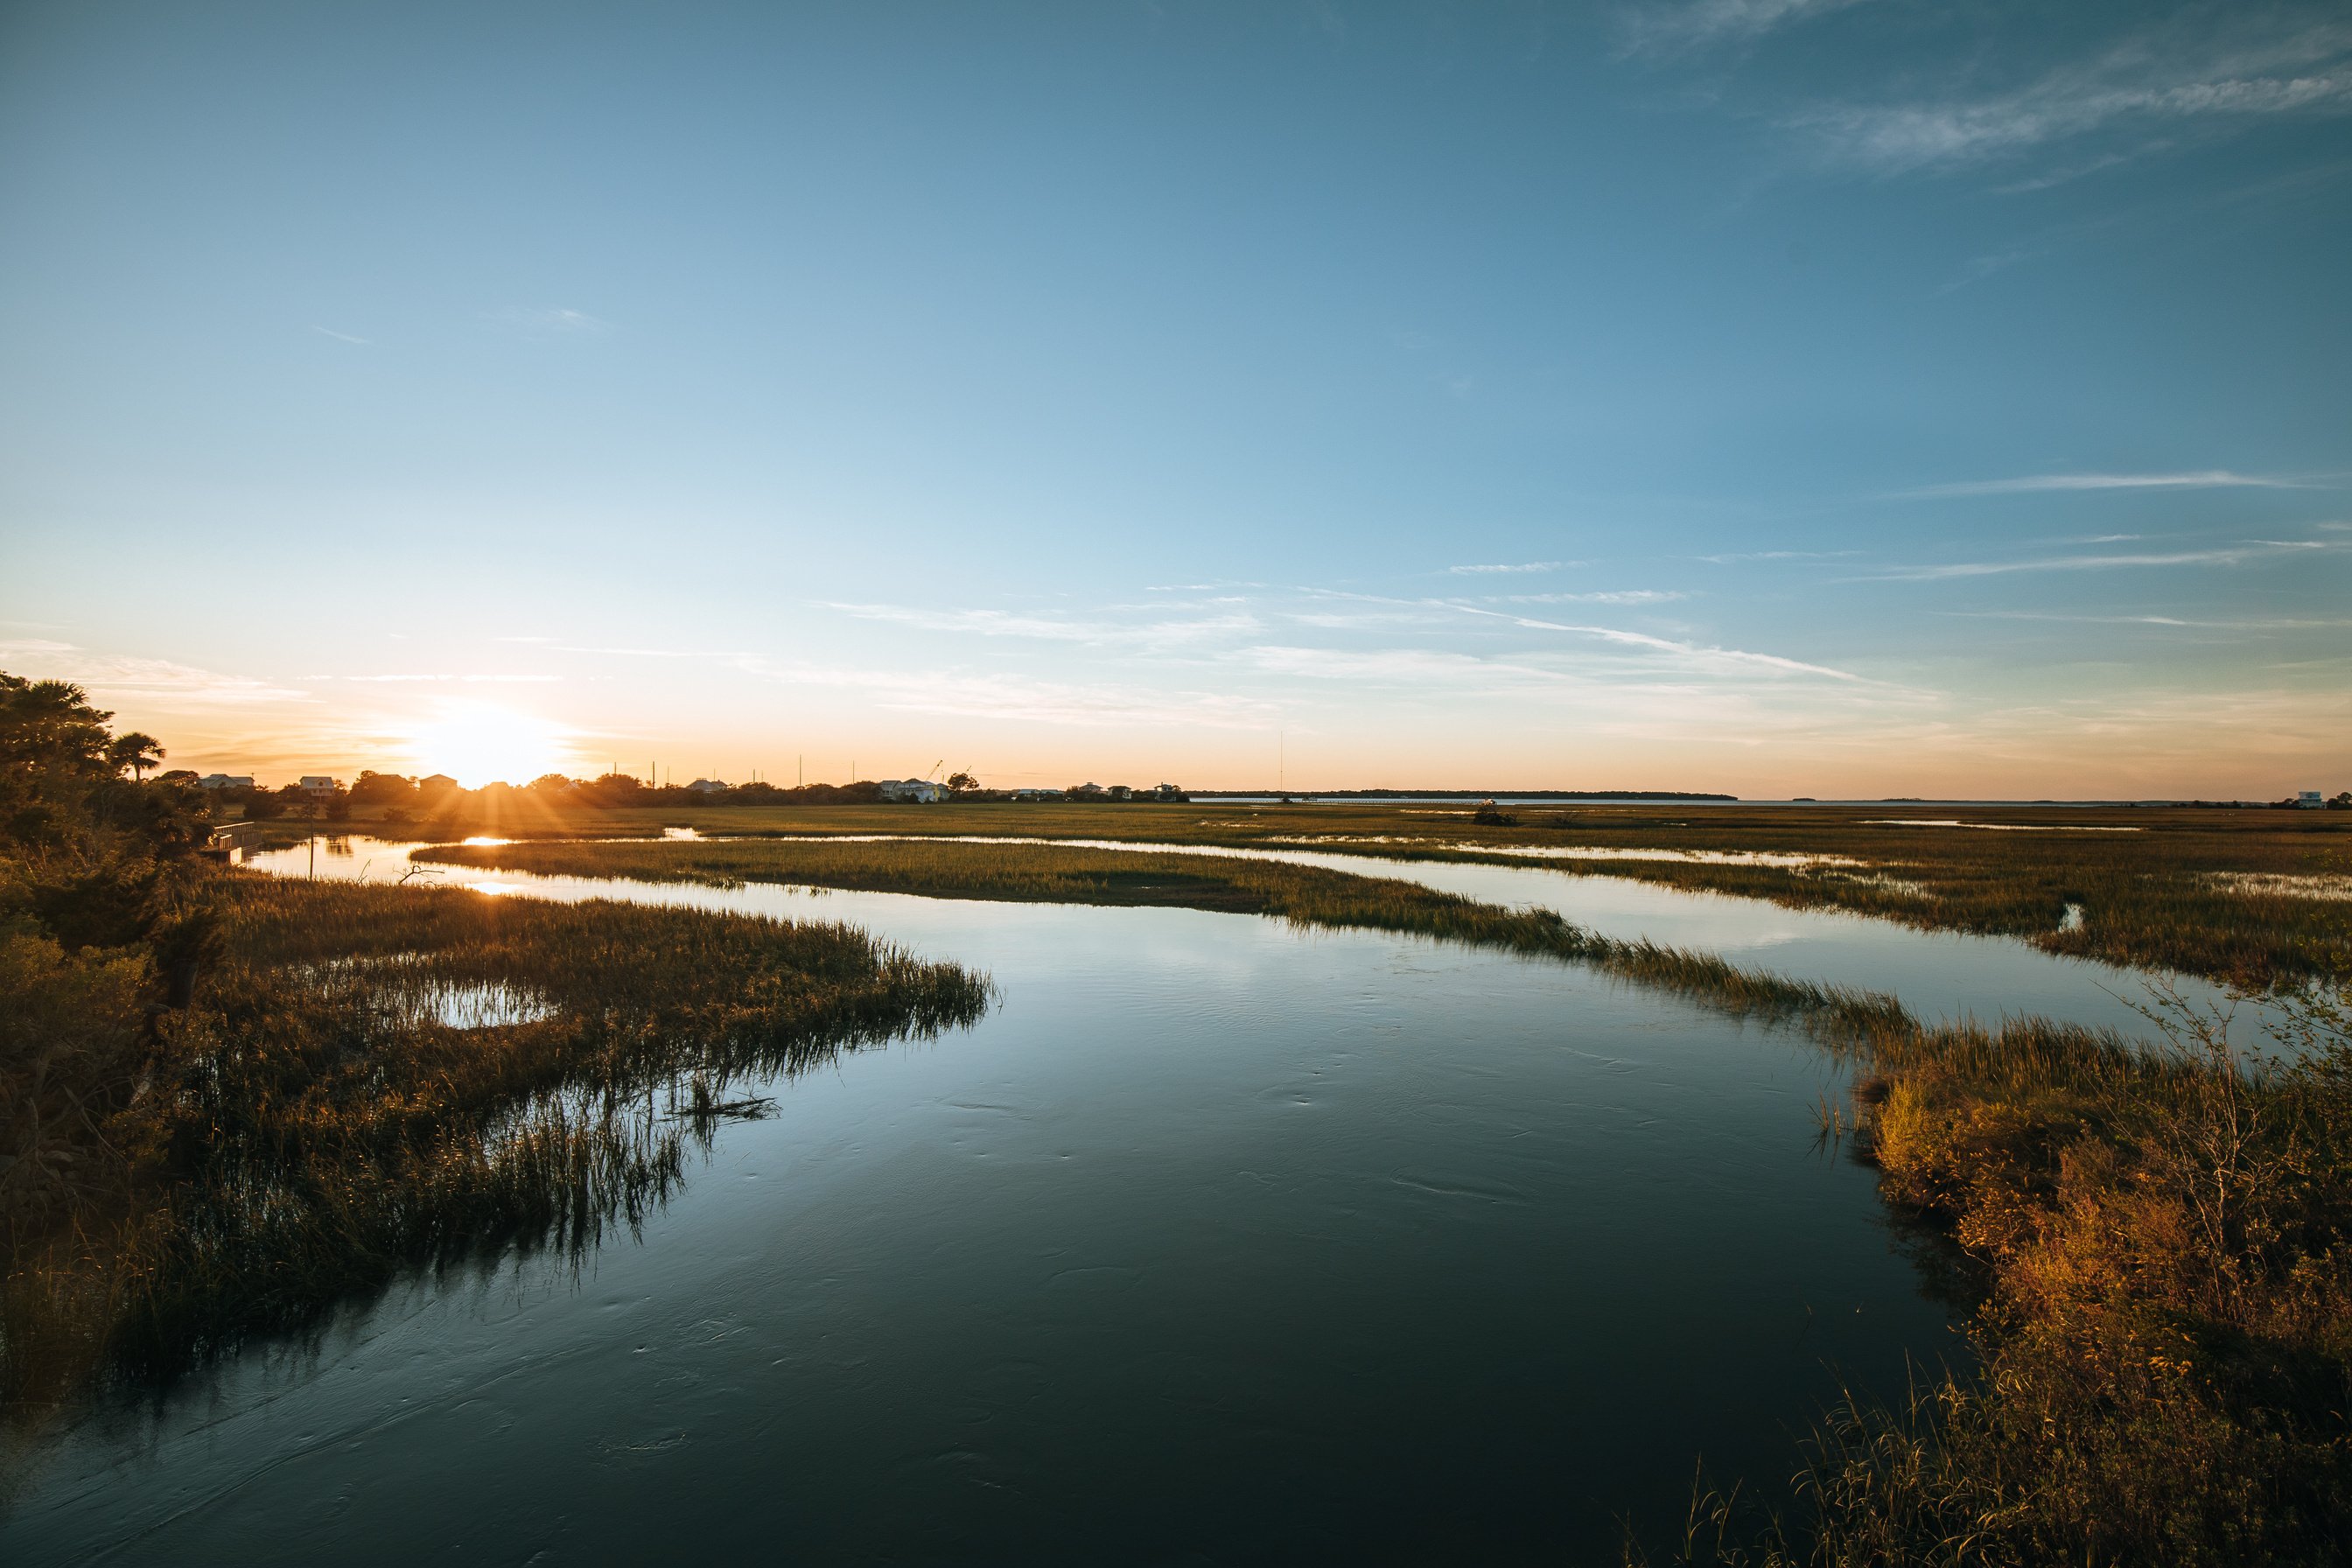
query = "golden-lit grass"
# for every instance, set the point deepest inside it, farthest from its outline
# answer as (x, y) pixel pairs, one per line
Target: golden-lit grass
(2227, 894)
(1304, 895)
(2164, 1234)
(311, 1123)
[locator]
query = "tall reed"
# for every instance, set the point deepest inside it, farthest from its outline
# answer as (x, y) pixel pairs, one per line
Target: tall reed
(312, 1123)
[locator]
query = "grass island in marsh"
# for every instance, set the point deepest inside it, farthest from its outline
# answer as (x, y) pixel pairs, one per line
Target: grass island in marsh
(2252, 896)
(1303, 895)
(374, 1077)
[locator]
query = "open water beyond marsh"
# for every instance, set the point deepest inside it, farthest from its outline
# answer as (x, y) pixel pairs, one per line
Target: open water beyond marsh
(1217, 1240)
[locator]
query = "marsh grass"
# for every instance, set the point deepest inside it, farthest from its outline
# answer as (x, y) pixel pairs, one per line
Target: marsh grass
(313, 1122)
(2246, 896)
(1302, 895)
(2163, 1233)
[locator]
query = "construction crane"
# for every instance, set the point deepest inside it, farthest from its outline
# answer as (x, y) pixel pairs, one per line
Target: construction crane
(933, 776)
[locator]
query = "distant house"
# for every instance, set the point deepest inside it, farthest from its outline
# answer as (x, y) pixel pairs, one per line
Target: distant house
(1120, 792)
(2310, 800)
(319, 786)
(1026, 795)
(226, 781)
(1085, 792)
(1166, 792)
(709, 786)
(922, 792)
(436, 783)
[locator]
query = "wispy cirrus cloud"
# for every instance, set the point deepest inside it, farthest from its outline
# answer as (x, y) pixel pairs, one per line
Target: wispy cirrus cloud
(1627, 695)
(980, 623)
(1692, 23)
(405, 680)
(1409, 668)
(1367, 617)
(1713, 657)
(2050, 179)
(119, 676)
(1714, 660)
(2257, 624)
(2029, 484)
(966, 694)
(2229, 556)
(1734, 557)
(1498, 569)
(1049, 628)
(1602, 596)
(554, 319)
(1977, 268)
(2250, 67)
(626, 652)
(341, 337)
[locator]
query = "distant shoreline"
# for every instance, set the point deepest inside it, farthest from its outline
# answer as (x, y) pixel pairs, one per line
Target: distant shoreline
(1690, 797)
(1457, 794)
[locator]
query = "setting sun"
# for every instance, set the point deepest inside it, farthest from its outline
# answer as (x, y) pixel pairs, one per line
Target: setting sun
(480, 742)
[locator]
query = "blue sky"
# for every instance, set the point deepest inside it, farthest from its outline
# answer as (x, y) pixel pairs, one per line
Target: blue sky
(1781, 396)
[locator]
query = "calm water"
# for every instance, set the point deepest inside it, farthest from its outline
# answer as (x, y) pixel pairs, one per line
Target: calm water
(1217, 1241)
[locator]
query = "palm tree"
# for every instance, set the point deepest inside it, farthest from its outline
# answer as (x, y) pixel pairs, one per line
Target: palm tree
(135, 750)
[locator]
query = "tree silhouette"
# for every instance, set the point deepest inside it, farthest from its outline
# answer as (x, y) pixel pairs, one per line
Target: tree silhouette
(135, 751)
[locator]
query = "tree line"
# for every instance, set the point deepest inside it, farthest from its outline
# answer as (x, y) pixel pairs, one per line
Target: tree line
(104, 925)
